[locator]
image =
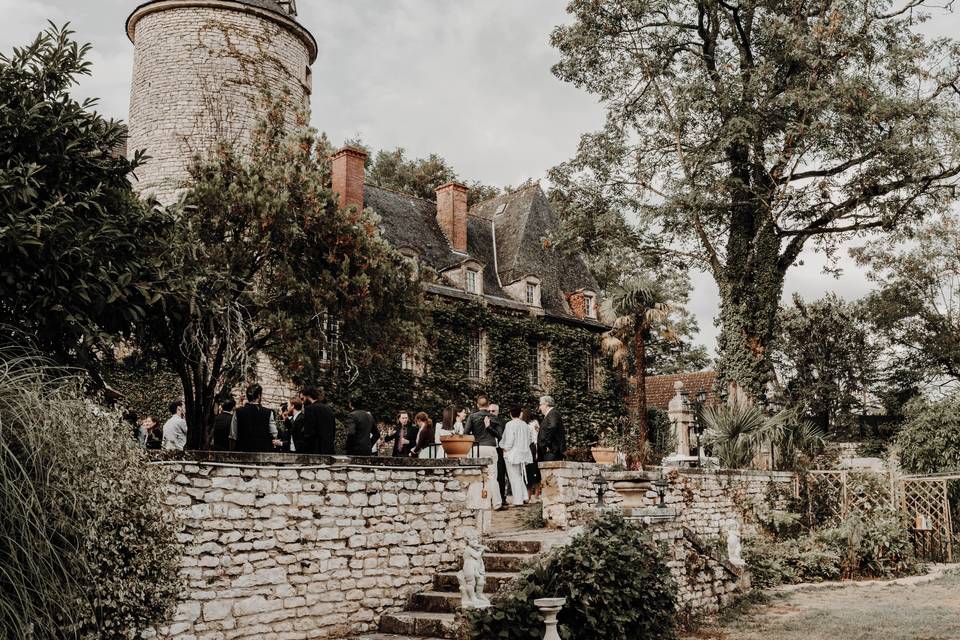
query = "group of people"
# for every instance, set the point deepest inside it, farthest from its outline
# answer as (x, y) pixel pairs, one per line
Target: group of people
(515, 443)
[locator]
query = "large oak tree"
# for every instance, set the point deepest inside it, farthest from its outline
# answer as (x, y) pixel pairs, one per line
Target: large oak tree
(740, 132)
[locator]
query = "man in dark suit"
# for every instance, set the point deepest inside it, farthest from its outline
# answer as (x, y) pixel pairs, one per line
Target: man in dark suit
(552, 439)
(253, 427)
(222, 424)
(360, 428)
(482, 425)
(294, 424)
(319, 432)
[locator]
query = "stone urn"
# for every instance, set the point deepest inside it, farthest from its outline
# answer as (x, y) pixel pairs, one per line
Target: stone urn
(634, 490)
(604, 455)
(457, 446)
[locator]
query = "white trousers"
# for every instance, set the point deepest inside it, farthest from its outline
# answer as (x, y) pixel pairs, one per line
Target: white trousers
(518, 485)
(493, 487)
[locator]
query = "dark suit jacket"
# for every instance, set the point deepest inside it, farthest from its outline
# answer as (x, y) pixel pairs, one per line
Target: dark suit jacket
(425, 438)
(551, 442)
(410, 434)
(360, 427)
(292, 432)
(319, 431)
(477, 428)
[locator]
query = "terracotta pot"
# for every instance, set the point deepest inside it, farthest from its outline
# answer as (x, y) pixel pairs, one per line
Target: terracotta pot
(604, 455)
(457, 446)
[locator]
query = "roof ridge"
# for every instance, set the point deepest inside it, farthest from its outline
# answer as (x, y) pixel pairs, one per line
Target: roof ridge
(400, 193)
(523, 187)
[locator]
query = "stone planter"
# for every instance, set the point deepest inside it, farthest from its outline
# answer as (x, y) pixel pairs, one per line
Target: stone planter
(604, 455)
(457, 446)
(634, 491)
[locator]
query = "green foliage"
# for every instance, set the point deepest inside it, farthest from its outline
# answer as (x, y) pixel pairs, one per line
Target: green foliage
(615, 582)
(736, 432)
(827, 360)
(876, 545)
(147, 385)
(916, 304)
(386, 389)
(75, 242)
(420, 177)
(742, 134)
(662, 435)
(929, 440)
(87, 549)
(262, 254)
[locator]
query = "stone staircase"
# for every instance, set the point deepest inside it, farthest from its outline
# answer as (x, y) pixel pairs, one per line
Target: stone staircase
(432, 614)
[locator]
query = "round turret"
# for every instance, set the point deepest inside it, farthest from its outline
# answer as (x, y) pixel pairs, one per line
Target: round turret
(199, 71)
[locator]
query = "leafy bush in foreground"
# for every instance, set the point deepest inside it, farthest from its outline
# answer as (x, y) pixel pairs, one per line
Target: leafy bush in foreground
(873, 546)
(86, 549)
(615, 583)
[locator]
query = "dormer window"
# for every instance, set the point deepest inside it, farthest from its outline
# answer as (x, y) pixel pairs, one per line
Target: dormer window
(472, 281)
(590, 304)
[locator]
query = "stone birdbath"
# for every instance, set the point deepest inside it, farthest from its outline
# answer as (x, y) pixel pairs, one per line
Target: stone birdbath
(633, 486)
(550, 608)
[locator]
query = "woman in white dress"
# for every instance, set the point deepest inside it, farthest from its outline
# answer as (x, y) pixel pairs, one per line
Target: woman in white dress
(516, 454)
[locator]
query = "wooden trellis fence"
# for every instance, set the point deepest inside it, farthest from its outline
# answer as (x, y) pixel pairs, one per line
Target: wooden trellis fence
(833, 495)
(926, 502)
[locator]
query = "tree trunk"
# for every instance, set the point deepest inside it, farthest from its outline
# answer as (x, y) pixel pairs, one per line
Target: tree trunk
(640, 391)
(749, 300)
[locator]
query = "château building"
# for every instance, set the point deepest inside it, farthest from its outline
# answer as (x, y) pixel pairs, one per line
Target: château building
(527, 311)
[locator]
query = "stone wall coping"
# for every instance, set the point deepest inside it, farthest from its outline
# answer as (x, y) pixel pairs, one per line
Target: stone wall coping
(147, 7)
(301, 460)
(592, 468)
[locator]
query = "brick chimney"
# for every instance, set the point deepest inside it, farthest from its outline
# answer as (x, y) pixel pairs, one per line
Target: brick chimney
(348, 174)
(452, 214)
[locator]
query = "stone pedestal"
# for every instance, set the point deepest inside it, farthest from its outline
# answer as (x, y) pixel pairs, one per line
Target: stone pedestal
(550, 608)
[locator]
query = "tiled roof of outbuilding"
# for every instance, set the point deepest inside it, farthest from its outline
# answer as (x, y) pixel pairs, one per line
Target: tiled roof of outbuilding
(660, 388)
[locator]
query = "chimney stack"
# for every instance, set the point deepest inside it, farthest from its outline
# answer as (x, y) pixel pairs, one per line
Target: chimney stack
(348, 174)
(452, 214)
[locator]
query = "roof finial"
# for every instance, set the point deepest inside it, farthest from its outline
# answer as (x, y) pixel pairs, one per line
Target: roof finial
(290, 6)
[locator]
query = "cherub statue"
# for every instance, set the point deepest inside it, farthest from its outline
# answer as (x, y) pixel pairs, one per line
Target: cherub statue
(734, 548)
(473, 576)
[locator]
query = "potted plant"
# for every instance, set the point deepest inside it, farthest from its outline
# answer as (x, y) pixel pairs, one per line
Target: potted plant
(607, 449)
(457, 445)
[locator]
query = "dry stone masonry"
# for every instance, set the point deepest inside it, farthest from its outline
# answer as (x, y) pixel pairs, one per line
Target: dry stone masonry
(708, 502)
(295, 547)
(199, 67)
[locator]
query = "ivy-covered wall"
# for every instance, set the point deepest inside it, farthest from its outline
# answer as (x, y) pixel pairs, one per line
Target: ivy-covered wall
(444, 356)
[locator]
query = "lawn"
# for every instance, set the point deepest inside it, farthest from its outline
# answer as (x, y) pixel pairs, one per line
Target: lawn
(928, 611)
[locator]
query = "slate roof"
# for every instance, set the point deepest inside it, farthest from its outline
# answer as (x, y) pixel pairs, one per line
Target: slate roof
(520, 228)
(660, 388)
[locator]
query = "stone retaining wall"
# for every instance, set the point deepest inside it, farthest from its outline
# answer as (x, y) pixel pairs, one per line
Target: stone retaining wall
(707, 502)
(296, 547)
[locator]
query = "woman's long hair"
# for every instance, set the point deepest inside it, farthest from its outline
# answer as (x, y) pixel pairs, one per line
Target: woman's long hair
(526, 415)
(449, 418)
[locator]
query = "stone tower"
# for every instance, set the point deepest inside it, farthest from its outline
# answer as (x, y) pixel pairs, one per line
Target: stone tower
(199, 70)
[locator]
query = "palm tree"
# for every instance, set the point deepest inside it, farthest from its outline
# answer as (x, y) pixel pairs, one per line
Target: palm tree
(637, 309)
(738, 430)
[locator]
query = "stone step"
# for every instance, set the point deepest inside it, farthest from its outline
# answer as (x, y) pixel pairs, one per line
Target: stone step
(390, 636)
(448, 583)
(419, 624)
(506, 562)
(506, 545)
(436, 601)
(514, 519)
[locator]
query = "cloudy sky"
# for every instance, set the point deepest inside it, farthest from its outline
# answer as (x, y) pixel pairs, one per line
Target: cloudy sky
(469, 80)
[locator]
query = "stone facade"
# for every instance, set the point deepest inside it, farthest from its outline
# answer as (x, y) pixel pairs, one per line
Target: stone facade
(706, 502)
(296, 547)
(199, 66)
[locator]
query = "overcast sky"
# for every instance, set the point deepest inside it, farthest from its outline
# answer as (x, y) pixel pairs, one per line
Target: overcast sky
(467, 79)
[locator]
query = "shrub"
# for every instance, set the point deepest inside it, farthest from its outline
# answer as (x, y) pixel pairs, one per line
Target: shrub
(86, 547)
(929, 440)
(615, 583)
(875, 545)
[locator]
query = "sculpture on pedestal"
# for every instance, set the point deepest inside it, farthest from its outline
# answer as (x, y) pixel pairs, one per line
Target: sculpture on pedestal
(473, 576)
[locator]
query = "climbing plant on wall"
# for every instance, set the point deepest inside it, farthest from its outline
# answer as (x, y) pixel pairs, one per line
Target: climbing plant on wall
(443, 379)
